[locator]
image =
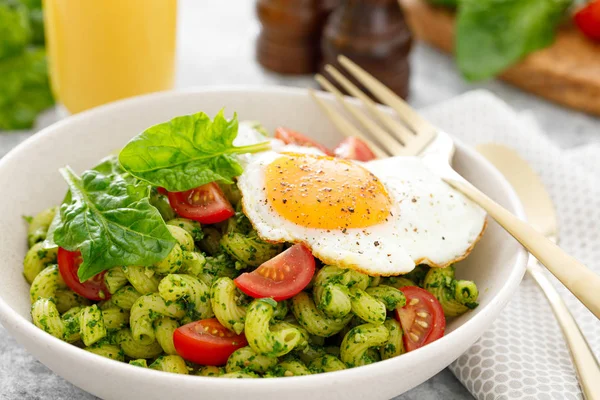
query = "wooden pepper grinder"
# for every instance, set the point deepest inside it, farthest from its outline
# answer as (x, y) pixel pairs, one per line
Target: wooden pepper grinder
(373, 34)
(289, 42)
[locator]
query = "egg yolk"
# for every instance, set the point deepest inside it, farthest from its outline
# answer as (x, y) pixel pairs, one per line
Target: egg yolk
(325, 192)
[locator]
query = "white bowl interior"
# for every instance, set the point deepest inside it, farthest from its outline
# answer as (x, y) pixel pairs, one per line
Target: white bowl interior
(30, 182)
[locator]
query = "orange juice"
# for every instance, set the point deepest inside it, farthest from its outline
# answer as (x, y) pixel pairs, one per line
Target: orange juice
(101, 51)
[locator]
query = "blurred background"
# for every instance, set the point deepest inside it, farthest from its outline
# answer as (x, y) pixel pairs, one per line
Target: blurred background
(545, 49)
(540, 56)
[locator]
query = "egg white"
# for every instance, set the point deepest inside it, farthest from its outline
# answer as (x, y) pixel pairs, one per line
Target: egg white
(431, 223)
(436, 225)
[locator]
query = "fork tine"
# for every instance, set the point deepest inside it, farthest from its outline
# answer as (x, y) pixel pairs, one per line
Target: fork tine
(345, 127)
(399, 130)
(424, 130)
(385, 138)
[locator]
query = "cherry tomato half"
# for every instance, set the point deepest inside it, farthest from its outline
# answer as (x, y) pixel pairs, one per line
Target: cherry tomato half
(588, 19)
(207, 342)
(422, 318)
(206, 204)
(289, 136)
(280, 278)
(68, 265)
(352, 148)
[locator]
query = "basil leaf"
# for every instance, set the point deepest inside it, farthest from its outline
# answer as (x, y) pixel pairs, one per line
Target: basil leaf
(186, 152)
(491, 35)
(111, 223)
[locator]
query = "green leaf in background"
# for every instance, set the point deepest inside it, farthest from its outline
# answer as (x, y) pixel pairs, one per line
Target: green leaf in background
(491, 35)
(445, 3)
(24, 86)
(24, 109)
(186, 152)
(111, 222)
(36, 20)
(24, 89)
(32, 4)
(35, 72)
(11, 78)
(15, 29)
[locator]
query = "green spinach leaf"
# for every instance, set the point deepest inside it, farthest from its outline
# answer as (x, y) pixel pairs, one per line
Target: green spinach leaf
(111, 222)
(49, 242)
(491, 35)
(187, 152)
(108, 165)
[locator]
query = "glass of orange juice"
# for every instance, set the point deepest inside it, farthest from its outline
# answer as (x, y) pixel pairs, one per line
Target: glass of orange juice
(101, 51)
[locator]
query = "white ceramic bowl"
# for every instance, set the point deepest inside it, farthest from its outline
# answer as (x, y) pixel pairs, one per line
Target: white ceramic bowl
(30, 182)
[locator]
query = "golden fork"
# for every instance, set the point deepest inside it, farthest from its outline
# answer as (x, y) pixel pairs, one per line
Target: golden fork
(417, 137)
(541, 215)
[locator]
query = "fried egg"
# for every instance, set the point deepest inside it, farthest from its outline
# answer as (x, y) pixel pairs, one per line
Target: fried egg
(381, 218)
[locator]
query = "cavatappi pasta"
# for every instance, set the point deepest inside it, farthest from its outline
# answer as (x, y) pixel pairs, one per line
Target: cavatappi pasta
(343, 319)
(456, 296)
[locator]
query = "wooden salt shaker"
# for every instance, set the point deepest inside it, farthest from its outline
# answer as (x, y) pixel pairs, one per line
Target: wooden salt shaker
(373, 34)
(289, 42)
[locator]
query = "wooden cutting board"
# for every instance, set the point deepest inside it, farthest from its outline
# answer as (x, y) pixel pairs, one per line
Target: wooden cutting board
(567, 73)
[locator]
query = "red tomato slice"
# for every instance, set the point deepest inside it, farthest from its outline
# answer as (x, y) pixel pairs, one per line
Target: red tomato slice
(206, 204)
(588, 19)
(352, 148)
(289, 136)
(162, 190)
(422, 318)
(207, 342)
(68, 265)
(281, 277)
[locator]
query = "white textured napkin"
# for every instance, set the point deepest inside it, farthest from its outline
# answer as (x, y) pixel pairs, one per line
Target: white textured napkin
(523, 354)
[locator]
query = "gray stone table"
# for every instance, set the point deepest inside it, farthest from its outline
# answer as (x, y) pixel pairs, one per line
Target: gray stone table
(216, 47)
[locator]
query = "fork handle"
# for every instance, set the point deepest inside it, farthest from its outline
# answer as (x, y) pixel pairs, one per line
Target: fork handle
(581, 281)
(586, 364)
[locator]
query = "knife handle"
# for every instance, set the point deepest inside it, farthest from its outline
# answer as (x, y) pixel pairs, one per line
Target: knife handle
(586, 364)
(580, 280)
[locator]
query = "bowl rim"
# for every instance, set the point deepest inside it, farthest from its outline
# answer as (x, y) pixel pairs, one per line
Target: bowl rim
(8, 316)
